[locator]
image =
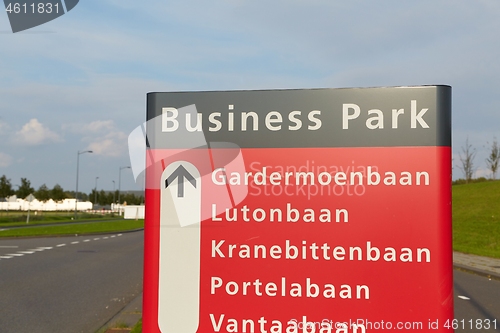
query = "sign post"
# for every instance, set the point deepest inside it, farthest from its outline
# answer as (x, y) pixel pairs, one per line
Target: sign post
(29, 198)
(321, 210)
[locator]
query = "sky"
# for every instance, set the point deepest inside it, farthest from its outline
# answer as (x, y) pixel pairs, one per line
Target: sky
(80, 81)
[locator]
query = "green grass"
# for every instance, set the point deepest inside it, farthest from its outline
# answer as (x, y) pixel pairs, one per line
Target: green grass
(75, 228)
(476, 218)
(13, 218)
(137, 328)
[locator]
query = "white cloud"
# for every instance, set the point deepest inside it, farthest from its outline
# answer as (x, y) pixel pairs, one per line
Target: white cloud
(103, 136)
(5, 160)
(94, 127)
(35, 133)
(112, 144)
(99, 125)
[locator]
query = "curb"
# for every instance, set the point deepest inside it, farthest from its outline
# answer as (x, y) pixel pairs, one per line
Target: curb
(59, 223)
(477, 271)
(75, 235)
(129, 315)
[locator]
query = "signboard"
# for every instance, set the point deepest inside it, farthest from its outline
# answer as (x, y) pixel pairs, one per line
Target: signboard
(30, 197)
(322, 210)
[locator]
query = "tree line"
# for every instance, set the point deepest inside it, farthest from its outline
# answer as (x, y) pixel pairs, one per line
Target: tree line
(468, 165)
(57, 193)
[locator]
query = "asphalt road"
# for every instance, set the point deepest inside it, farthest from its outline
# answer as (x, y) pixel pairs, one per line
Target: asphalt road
(67, 284)
(477, 303)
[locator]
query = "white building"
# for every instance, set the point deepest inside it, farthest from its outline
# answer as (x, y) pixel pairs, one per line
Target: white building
(13, 203)
(133, 212)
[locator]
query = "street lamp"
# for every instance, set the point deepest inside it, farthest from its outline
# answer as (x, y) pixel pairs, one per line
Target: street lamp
(95, 192)
(114, 203)
(120, 180)
(77, 166)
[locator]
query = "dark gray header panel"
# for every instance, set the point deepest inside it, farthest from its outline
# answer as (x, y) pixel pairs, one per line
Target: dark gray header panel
(357, 117)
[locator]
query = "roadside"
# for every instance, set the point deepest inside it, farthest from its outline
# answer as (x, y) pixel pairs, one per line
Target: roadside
(21, 218)
(127, 319)
(485, 266)
(14, 225)
(61, 229)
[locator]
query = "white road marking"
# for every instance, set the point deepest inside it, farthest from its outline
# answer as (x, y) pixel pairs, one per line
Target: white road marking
(464, 297)
(43, 248)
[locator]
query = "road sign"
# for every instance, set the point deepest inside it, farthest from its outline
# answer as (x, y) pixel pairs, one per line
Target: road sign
(30, 198)
(320, 210)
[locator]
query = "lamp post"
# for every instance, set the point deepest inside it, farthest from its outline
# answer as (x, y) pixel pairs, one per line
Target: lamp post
(114, 203)
(120, 182)
(95, 191)
(77, 167)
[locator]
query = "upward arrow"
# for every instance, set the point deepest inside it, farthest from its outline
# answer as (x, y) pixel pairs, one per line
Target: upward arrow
(180, 173)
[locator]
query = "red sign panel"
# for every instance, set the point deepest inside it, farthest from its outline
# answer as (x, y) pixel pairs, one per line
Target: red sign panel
(277, 236)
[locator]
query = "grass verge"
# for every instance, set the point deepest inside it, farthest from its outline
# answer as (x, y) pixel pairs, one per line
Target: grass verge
(74, 228)
(137, 328)
(476, 218)
(18, 218)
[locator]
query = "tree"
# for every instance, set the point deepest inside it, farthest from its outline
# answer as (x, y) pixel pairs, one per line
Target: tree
(43, 193)
(81, 195)
(25, 189)
(92, 196)
(57, 193)
(103, 198)
(494, 158)
(131, 199)
(467, 161)
(5, 187)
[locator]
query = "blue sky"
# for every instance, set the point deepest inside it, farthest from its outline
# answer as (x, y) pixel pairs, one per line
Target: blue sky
(80, 82)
